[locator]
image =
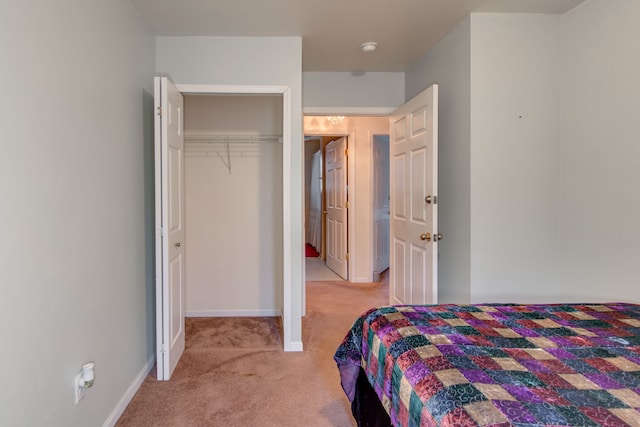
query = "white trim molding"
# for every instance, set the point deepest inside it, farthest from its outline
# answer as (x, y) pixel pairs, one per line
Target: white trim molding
(293, 346)
(235, 313)
(348, 111)
(189, 89)
(287, 144)
(287, 231)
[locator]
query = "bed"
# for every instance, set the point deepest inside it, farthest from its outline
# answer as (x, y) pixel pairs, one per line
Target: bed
(494, 365)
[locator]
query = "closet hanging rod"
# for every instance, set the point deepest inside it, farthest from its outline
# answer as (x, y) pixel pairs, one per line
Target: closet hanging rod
(244, 139)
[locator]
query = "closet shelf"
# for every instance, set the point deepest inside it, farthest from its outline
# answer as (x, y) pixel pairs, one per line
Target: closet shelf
(243, 139)
(226, 146)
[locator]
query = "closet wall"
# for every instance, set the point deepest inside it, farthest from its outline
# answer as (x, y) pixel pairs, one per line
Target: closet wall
(233, 205)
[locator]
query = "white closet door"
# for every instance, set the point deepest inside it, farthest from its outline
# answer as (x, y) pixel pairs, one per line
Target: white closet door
(169, 163)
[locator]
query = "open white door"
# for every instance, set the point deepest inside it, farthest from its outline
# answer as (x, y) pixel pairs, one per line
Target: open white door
(414, 209)
(169, 143)
(336, 199)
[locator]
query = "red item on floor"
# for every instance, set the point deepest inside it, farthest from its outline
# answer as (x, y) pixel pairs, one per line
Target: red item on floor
(310, 251)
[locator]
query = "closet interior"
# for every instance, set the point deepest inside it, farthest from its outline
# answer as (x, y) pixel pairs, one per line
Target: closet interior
(233, 205)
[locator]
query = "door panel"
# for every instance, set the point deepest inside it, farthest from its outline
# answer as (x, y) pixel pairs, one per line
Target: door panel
(414, 222)
(419, 121)
(169, 152)
(175, 191)
(336, 199)
(398, 194)
(398, 269)
(177, 322)
(418, 271)
(418, 178)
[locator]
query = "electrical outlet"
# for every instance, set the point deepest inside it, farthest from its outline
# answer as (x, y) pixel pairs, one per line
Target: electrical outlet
(80, 390)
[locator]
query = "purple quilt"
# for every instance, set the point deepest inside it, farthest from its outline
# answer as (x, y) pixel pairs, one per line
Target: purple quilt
(499, 364)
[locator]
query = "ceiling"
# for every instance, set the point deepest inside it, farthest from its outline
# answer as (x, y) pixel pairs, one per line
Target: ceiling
(333, 30)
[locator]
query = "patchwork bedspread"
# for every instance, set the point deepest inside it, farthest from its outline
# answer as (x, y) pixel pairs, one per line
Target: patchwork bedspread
(499, 364)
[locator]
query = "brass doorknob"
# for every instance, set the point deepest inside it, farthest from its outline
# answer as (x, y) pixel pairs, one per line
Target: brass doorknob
(425, 236)
(437, 237)
(178, 245)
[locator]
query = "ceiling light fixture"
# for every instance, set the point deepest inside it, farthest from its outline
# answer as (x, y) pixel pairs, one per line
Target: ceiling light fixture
(335, 120)
(368, 46)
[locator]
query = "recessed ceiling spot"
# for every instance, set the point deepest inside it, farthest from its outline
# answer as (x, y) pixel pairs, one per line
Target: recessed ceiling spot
(368, 46)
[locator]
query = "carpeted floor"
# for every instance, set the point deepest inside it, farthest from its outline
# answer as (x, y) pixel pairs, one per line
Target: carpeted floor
(316, 270)
(234, 373)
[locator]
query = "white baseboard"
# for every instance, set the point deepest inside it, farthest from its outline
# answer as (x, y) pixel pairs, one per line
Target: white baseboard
(131, 391)
(293, 346)
(235, 313)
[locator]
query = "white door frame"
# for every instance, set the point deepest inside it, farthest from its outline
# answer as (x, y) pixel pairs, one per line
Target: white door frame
(350, 178)
(285, 91)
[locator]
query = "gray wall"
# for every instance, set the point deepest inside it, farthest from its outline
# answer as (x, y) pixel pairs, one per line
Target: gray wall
(546, 122)
(498, 172)
(515, 85)
(350, 90)
(449, 65)
(76, 183)
(600, 204)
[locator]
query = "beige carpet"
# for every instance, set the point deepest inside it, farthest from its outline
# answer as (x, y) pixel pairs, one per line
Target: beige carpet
(317, 271)
(234, 373)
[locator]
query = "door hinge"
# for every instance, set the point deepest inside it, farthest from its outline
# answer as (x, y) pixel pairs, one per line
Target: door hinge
(346, 204)
(163, 348)
(160, 111)
(346, 257)
(160, 231)
(346, 151)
